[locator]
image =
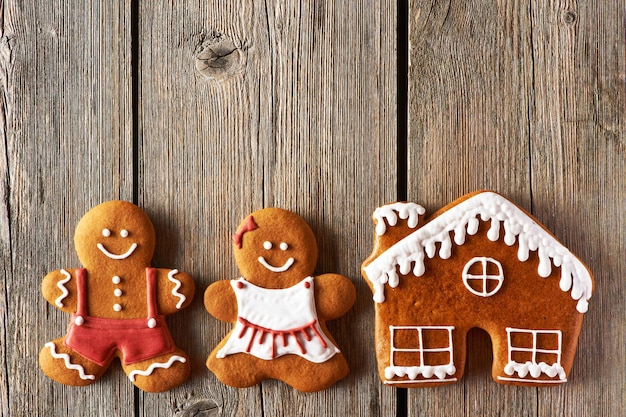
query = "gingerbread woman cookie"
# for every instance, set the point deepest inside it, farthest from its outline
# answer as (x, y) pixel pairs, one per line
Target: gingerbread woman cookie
(118, 304)
(278, 308)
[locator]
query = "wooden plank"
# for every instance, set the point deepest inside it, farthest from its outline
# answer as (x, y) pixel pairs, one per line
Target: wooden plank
(470, 88)
(66, 130)
(292, 104)
(578, 140)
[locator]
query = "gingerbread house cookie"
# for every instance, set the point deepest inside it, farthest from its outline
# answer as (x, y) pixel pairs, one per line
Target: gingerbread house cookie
(479, 262)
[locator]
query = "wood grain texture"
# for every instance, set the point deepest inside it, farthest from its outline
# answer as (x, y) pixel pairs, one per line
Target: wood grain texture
(578, 143)
(243, 105)
(288, 104)
(470, 79)
(65, 126)
(527, 98)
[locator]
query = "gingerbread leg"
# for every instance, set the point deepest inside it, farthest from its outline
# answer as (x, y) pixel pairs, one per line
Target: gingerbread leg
(161, 373)
(64, 365)
(240, 370)
(319, 375)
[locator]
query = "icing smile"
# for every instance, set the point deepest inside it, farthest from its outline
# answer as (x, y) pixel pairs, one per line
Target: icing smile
(272, 268)
(114, 256)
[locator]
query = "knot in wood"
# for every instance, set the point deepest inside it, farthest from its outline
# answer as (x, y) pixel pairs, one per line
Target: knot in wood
(570, 17)
(202, 408)
(220, 59)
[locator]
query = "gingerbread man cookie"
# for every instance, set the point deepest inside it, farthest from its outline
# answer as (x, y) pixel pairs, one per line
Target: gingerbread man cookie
(118, 304)
(279, 309)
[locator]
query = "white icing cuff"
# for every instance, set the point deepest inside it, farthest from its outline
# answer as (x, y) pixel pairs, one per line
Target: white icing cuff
(178, 284)
(68, 364)
(152, 367)
(61, 286)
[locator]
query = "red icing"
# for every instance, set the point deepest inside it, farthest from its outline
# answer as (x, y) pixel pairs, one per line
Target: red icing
(240, 285)
(151, 290)
(81, 292)
(307, 284)
(283, 334)
(97, 339)
(247, 226)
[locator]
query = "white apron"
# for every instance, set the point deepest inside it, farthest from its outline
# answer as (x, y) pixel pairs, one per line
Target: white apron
(276, 322)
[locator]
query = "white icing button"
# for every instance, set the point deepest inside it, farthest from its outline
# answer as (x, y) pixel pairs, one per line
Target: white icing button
(152, 323)
(106, 232)
(117, 292)
(116, 280)
(117, 307)
(124, 233)
(284, 246)
(79, 320)
(267, 245)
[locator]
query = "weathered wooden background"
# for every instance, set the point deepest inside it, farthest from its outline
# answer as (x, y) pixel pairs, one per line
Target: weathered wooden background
(203, 111)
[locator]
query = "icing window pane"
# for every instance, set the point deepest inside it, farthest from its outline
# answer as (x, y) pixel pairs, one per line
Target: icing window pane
(534, 353)
(420, 352)
(483, 276)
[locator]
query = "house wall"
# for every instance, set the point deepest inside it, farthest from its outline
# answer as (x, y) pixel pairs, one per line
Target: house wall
(439, 297)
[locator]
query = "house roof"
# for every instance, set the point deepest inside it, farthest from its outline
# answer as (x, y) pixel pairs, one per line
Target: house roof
(463, 219)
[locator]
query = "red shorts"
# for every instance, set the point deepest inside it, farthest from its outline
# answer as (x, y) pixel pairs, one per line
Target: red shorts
(98, 339)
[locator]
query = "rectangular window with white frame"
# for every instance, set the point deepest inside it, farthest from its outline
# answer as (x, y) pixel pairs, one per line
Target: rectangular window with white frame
(420, 353)
(533, 353)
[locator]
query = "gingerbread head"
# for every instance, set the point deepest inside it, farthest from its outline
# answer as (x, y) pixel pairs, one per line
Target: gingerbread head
(118, 304)
(275, 248)
(279, 309)
(116, 234)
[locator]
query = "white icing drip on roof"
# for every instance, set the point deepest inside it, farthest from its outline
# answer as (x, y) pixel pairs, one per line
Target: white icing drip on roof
(409, 211)
(462, 219)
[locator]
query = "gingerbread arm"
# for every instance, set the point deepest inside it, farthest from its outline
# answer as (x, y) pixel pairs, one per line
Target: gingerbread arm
(220, 301)
(175, 290)
(334, 296)
(59, 289)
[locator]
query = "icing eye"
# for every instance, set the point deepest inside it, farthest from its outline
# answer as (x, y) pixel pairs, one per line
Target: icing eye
(106, 232)
(284, 246)
(267, 245)
(124, 233)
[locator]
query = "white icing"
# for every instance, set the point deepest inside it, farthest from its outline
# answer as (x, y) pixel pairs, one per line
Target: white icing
(412, 372)
(79, 320)
(152, 323)
(61, 286)
(106, 232)
(425, 370)
(273, 268)
(420, 381)
(175, 292)
(68, 363)
(409, 211)
(281, 312)
(116, 280)
(155, 365)
(117, 292)
(114, 256)
(463, 218)
(124, 233)
(284, 246)
(117, 307)
(484, 277)
(267, 245)
(534, 369)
